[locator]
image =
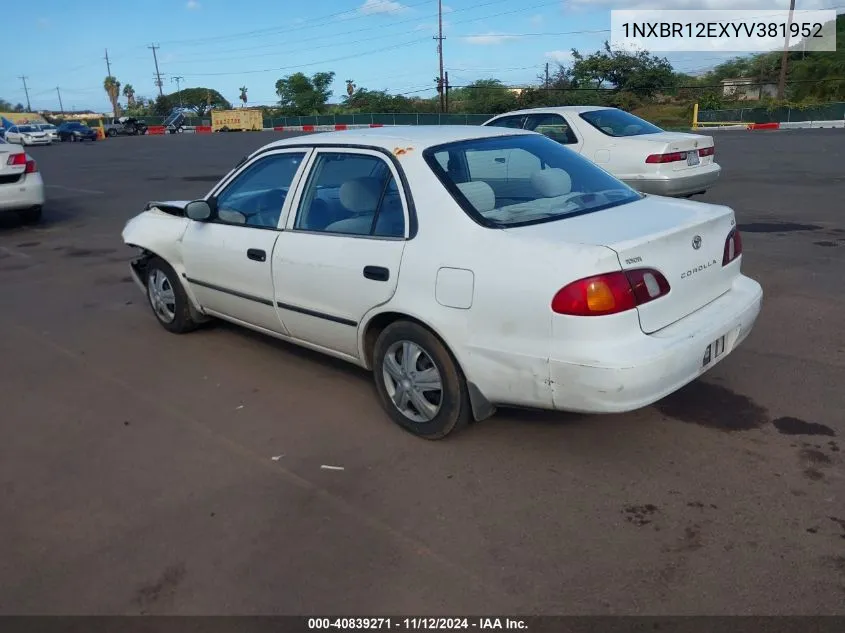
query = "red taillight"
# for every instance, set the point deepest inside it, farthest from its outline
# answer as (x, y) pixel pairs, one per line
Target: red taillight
(733, 247)
(707, 151)
(610, 293)
(16, 159)
(31, 167)
(674, 157)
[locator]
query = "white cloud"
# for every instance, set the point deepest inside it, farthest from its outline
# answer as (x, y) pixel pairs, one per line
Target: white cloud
(371, 7)
(432, 26)
(489, 39)
(192, 4)
(537, 20)
(447, 9)
(561, 57)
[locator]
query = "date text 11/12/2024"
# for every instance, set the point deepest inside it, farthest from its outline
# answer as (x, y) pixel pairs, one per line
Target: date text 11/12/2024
(432, 624)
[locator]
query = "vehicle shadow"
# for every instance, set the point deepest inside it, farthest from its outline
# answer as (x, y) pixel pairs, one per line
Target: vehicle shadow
(55, 213)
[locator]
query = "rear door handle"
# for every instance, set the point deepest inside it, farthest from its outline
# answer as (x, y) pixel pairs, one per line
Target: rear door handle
(257, 255)
(376, 273)
(499, 160)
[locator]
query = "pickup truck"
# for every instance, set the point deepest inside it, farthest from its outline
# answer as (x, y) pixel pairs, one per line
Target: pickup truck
(124, 126)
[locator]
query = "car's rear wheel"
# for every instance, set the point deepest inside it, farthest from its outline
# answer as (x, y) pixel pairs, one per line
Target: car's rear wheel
(167, 298)
(111, 133)
(31, 216)
(419, 384)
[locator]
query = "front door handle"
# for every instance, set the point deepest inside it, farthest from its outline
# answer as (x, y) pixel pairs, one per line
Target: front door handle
(376, 273)
(257, 255)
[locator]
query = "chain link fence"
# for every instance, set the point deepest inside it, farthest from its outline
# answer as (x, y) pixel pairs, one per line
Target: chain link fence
(348, 119)
(826, 112)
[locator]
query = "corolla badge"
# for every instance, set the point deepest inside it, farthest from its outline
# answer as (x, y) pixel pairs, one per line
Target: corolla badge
(696, 242)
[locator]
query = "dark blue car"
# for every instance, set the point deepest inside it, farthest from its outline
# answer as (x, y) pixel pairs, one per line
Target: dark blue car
(76, 131)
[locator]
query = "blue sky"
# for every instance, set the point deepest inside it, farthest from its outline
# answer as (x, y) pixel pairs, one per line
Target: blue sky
(381, 44)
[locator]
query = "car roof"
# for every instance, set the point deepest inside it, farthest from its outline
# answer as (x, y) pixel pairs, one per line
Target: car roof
(418, 136)
(556, 109)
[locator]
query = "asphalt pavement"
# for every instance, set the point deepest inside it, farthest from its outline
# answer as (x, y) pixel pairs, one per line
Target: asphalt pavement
(142, 472)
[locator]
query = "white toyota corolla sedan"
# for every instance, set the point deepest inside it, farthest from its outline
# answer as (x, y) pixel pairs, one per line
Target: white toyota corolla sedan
(404, 250)
(643, 155)
(21, 186)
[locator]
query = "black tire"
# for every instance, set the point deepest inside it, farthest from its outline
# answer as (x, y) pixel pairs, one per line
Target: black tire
(31, 216)
(111, 133)
(182, 321)
(454, 407)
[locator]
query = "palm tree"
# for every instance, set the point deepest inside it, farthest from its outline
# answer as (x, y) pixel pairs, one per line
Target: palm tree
(243, 90)
(350, 87)
(112, 87)
(129, 93)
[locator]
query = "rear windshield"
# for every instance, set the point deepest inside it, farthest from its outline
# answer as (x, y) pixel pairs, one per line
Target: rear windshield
(509, 181)
(618, 123)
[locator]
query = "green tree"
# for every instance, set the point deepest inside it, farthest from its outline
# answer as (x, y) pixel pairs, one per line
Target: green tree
(129, 93)
(377, 101)
(302, 95)
(485, 96)
(200, 100)
(112, 88)
(639, 73)
(162, 106)
(5, 106)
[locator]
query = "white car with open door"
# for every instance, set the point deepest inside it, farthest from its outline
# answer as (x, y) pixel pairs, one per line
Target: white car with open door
(421, 254)
(642, 155)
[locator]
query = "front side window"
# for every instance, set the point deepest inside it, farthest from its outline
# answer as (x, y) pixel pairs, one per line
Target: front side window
(618, 123)
(353, 194)
(518, 180)
(26, 128)
(514, 122)
(257, 195)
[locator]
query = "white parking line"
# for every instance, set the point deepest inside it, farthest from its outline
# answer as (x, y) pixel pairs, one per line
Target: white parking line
(75, 189)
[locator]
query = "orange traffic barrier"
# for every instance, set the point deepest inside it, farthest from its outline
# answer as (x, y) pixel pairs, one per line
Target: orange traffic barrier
(155, 129)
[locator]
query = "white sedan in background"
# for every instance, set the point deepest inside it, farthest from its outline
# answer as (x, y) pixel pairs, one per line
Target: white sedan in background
(21, 186)
(395, 249)
(642, 155)
(50, 129)
(28, 135)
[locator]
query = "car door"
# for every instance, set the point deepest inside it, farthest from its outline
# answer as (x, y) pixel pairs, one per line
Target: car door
(228, 258)
(13, 136)
(556, 127)
(340, 253)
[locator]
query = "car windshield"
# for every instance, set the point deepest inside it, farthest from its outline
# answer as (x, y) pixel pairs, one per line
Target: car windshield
(26, 128)
(618, 123)
(523, 179)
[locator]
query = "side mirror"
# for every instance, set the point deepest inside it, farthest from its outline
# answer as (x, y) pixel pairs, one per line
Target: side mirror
(198, 210)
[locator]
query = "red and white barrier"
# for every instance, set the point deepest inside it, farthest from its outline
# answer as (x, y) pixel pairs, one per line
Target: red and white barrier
(324, 128)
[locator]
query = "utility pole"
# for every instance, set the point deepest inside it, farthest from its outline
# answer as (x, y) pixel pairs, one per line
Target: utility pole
(446, 89)
(547, 75)
(178, 81)
(784, 60)
(108, 64)
(154, 48)
(440, 39)
(61, 107)
(26, 92)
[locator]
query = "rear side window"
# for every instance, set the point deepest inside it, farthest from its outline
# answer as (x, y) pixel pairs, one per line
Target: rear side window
(514, 122)
(552, 125)
(618, 123)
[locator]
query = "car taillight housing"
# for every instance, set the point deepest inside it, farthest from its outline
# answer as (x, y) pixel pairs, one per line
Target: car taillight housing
(17, 159)
(707, 151)
(610, 293)
(31, 167)
(733, 247)
(672, 157)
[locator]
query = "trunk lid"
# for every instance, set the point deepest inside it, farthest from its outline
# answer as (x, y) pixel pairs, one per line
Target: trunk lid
(6, 152)
(690, 144)
(658, 233)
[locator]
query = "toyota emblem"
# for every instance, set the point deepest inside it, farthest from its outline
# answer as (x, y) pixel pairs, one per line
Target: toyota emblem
(696, 242)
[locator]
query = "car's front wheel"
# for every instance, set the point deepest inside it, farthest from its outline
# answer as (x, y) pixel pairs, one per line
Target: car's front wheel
(418, 381)
(167, 298)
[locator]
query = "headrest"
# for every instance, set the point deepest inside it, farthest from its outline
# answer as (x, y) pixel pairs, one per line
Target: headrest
(361, 195)
(551, 183)
(479, 194)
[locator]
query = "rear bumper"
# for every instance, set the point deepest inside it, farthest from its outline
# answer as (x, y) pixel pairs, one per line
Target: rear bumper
(650, 367)
(24, 194)
(682, 184)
